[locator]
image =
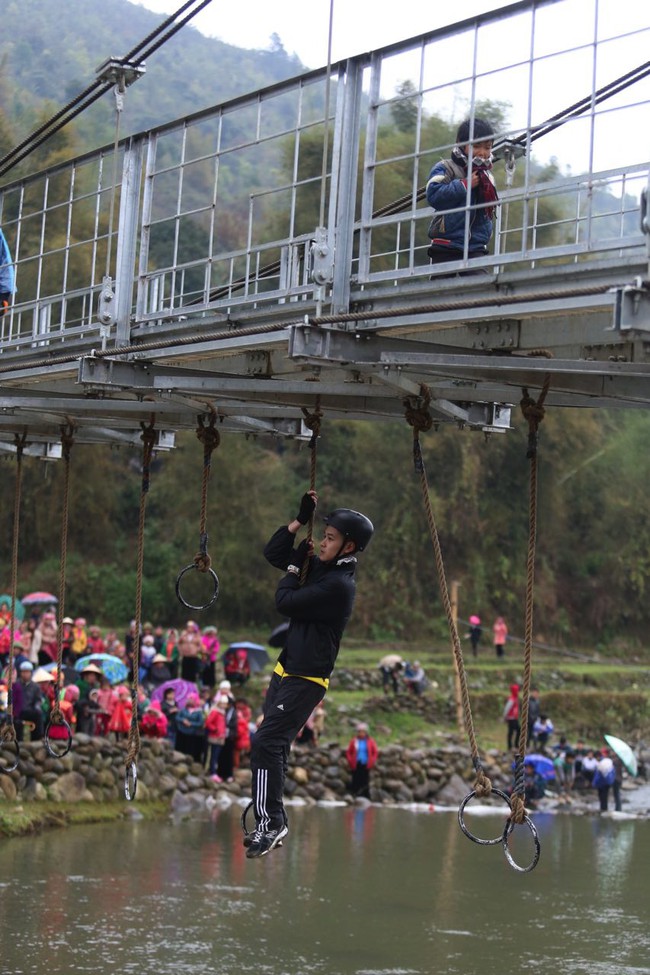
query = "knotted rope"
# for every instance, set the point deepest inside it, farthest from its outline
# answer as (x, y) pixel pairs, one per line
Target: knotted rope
(210, 438)
(312, 422)
(533, 411)
(419, 418)
(56, 715)
(148, 437)
(8, 729)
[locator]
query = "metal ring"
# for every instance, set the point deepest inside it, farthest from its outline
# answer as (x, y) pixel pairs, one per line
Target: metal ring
(508, 829)
(11, 768)
(130, 781)
(68, 744)
(215, 579)
(466, 831)
(243, 818)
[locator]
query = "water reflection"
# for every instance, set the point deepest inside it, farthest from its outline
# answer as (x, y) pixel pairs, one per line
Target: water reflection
(353, 892)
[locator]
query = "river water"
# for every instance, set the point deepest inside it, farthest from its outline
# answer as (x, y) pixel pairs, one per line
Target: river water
(375, 891)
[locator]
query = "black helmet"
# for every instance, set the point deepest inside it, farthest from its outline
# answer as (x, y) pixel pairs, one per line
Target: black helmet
(352, 525)
(481, 130)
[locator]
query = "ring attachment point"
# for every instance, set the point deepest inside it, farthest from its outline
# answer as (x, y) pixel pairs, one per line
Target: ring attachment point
(66, 743)
(215, 582)
(465, 828)
(507, 830)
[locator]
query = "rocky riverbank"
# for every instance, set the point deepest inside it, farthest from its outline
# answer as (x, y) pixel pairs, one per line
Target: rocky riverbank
(93, 772)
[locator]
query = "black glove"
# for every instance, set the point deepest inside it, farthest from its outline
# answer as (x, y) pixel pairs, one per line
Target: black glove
(307, 508)
(301, 553)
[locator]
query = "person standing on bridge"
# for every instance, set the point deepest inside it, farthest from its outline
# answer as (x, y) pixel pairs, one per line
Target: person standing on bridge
(447, 192)
(318, 611)
(7, 276)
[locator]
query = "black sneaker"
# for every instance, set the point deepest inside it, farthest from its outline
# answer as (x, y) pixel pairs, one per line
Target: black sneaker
(263, 841)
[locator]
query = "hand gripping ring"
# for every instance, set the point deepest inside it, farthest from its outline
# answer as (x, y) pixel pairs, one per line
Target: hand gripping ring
(11, 768)
(215, 580)
(466, 831)
(508, 829)
(130, 781)
(66, 745)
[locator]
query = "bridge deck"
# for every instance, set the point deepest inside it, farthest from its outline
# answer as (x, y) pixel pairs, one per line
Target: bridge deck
(180, 287)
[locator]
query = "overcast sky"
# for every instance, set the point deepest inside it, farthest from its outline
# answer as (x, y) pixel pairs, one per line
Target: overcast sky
(303, 27)
(560, 80)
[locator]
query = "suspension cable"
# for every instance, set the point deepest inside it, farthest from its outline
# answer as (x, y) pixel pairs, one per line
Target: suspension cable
(96, 89)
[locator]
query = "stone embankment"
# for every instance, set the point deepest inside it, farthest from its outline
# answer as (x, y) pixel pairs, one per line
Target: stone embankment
(93, 771)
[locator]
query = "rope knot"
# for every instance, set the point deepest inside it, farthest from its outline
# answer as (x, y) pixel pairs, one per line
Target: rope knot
(7, 733)
(208, 434)
(67, 440)
(202, 561)
(482, 786)
(518, 815)
(416, 411)
(312, 422)
(534, 412)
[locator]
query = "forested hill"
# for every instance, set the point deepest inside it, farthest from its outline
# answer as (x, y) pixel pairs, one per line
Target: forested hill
(50, 51)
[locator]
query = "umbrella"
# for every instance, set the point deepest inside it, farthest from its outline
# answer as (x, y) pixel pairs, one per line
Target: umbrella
(36, 598)
(257, 655)
(624, 752)
(543, 766)
(182, 689)
(114, 668)
(279, 635)
(19, 609)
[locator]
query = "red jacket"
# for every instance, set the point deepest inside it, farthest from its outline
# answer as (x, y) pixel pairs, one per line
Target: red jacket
(351, 753)
(215, 723)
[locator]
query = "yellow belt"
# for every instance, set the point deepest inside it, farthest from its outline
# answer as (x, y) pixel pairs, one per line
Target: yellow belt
(281, 672)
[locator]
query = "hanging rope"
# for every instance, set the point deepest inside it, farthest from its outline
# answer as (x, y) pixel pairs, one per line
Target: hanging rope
(56, 715)
(148, 437)
(533, 411)
(312, 421)
(210, 438)
(8, 729)
(420, 419)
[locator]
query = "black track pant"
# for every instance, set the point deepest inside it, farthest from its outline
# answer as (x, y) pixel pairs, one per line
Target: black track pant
(289, 702)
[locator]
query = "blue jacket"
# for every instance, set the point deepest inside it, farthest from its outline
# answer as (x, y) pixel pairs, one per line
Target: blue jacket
(446, 190)
(7, 278)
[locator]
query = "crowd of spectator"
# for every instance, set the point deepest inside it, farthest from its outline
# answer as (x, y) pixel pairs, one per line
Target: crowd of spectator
(179, 695)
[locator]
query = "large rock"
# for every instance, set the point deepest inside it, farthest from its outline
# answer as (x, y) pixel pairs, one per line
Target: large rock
(34, 792)
(8, 789)
(454, 791)
(70, 787)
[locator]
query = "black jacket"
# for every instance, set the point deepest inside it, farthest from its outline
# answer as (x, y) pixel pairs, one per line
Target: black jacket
(318, 611)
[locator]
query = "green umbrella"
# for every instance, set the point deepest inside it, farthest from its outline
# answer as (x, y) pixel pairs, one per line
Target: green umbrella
(624, 752)
(19, 609)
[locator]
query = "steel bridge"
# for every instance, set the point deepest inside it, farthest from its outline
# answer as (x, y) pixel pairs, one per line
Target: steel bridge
(164, 276)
